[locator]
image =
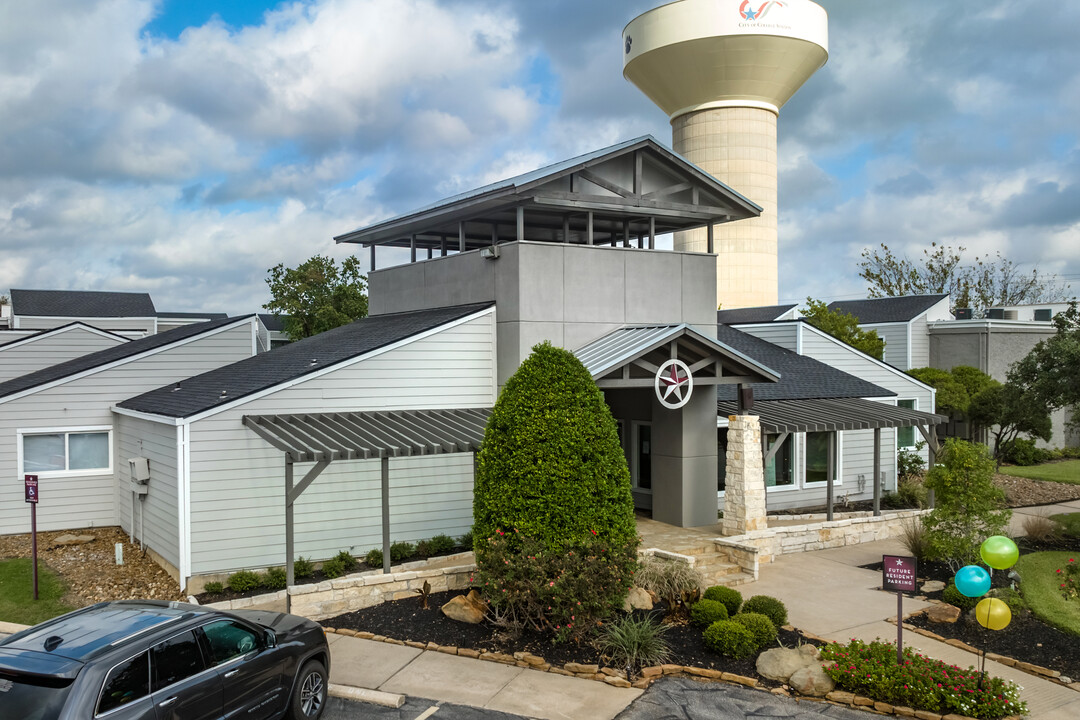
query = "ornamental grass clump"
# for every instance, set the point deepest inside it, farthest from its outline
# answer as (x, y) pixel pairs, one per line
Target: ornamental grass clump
(921, 683)
(635, 643)
(669, 579)
(554, 529)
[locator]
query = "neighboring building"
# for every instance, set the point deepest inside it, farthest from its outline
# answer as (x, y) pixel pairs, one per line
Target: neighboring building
(57, 422)
(901, 322)
(275, 330)
(171, 320)
(114, 311)
(41, 349)
(768, 313)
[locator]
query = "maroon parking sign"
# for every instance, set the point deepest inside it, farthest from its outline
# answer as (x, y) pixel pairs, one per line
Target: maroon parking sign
(31, 488)
(898, 573)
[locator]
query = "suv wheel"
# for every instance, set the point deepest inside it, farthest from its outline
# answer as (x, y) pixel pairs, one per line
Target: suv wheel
(309, 695)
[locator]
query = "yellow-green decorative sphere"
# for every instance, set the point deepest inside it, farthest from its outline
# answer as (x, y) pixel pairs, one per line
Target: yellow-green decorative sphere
(999, 552)
(993, 614)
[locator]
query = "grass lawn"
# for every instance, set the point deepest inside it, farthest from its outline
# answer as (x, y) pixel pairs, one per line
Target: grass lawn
(1066, 471)
(17, 591)
(1071, 523)
(1042, 589)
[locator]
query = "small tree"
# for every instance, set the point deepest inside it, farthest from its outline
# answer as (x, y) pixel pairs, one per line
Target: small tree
(555, 535)
(317, 295)
(1007, 413)
(969, 508)
(843, 326)
(951, 397)
(1048, 375)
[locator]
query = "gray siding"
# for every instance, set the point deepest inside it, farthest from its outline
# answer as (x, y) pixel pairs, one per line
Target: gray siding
(90, 501)
(156, 518)
(784, 334)
(237, 480)
(896, 343)
(28, 356)
(920, 343)
(143, 325)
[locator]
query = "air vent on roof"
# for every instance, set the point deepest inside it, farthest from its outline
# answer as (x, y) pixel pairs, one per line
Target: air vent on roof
(995, 314)
(1043, 315)
(963, 314)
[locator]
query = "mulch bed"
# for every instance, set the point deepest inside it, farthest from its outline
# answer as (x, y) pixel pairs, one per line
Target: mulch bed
(405, 620)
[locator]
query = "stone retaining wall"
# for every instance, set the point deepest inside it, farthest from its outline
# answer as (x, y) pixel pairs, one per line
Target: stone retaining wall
(759, 547)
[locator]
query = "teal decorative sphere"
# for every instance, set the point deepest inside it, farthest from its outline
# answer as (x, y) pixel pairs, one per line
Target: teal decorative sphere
(972, 581)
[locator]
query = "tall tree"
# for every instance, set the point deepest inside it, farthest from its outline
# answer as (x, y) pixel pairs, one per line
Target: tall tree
(1050, 374)
(843, 326)
(985, 282)
(317, 295)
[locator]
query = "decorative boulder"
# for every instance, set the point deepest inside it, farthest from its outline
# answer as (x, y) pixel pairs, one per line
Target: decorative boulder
(812, 681)
(637, 599)
(780, 663)
(465, 608)
(932, 586)
(943, 613)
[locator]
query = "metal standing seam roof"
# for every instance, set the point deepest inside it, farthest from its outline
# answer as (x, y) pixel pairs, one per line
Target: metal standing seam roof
(825, 415)
(321, 437)
(619, 346)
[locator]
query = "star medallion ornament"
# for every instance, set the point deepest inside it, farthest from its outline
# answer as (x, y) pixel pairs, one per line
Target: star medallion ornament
(674, 384)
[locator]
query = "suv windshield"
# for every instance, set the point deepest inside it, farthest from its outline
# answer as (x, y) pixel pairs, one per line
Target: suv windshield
(31, 699)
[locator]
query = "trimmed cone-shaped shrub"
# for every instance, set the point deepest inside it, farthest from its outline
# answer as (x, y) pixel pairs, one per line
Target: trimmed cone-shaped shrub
(730, 638)
(704, 613)
(551, 466)
(768, 606)
(731, 597)
(760, 627)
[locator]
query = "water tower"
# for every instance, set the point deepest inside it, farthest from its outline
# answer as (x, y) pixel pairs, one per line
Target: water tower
(721, 70)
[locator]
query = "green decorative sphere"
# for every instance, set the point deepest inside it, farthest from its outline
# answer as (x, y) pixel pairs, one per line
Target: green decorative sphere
(999, 552)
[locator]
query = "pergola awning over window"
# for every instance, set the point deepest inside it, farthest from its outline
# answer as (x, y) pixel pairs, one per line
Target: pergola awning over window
(788, 416)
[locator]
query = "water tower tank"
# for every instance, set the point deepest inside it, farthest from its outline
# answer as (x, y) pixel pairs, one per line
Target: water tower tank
(721, 70)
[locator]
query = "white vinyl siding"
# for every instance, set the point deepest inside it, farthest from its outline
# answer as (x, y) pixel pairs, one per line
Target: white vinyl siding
(920, 343)
(31, 355)
(896, 343)
(90, 500)
(784, 334)
(156, 517)
(237, 479)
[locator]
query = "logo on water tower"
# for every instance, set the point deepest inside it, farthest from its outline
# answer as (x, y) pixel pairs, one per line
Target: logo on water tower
(747, 11)
(674, 384)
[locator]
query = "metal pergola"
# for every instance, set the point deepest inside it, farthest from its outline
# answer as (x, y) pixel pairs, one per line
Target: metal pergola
(323, 438)
(783, 417)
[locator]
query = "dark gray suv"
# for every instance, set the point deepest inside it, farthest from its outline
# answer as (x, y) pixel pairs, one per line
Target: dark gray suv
(152, 660)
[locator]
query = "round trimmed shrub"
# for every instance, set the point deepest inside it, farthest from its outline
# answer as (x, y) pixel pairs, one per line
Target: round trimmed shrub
(768, 606)
(243, 581)
(730, 638)
(954, 597)
(760, 627)
(731, 598)
(705, 612)
(551, 466)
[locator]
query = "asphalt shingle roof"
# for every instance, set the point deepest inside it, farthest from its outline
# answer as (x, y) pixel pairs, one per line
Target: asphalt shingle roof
(193, 315)
(884, 310)
(261, 372)
(81, 303)
(273, 323)
(110, 355)
(801, 377)
(764, 314)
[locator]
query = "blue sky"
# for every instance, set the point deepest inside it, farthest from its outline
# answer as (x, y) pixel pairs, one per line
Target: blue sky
(183, 147)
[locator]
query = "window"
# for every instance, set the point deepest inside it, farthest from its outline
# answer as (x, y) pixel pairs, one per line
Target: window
(721, 459)
(125, 683)
(228, 639)
(905, 436)
(817, 456)
(780, 470)
(67, 451)
(643, 456)
(176, 659)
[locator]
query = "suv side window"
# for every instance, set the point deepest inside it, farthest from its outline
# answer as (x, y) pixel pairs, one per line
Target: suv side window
(125, 683)
(177, 658)
(228, 639)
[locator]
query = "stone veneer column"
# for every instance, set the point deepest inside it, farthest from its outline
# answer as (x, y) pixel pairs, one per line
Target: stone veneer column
(744, 488)
(737, 145)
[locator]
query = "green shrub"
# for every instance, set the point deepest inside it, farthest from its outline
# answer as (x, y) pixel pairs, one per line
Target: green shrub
(374, 558)
(704, 613)
(275, 579)
(968, 505)
(635, 643)
(1020, 451)
(402, 551)
(760, 626)
(333, 568)
(442, 544)
(909, 462)
(214, 588)
(954, 597)
(565, 591)
(244, 581)
(730, 638)
(768, 606)
(870, 670)
(551, 465)
(730, 597)
(423, 548)
(669, 579)
(912, 493)
(1011, 598)
(914, 538)
(303, 568)
(466, 541)
(347, 560)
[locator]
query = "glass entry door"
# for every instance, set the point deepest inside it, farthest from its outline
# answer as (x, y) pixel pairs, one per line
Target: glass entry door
(641, 467)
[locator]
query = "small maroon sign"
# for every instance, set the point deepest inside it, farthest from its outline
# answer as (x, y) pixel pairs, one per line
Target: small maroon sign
(898, 573)
(31, 488)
